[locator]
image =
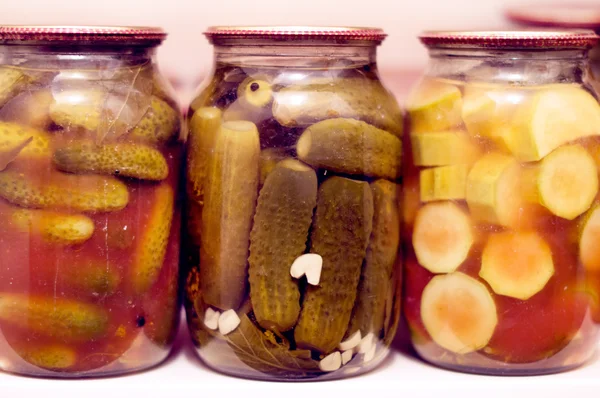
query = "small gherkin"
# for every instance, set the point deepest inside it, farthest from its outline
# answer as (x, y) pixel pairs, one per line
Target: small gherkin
(376, 277)
(279, 235)
(340, 234)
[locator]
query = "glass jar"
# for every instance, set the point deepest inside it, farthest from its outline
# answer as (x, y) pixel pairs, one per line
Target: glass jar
(293, 168)
(89, 226)
(501, 203)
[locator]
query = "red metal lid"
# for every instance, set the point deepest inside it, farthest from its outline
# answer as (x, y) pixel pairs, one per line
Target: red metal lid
(216, 34)
(565, 15)
(92, 34)
(516, 40)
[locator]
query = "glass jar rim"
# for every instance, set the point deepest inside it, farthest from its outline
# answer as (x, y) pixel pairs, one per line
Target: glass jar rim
(511, 39)
(55, 34)
(216, 34)
(578, 15)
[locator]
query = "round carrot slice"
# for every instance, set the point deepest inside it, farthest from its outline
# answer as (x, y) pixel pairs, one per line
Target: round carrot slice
(458, 312)
(442, 237)
(516, 264)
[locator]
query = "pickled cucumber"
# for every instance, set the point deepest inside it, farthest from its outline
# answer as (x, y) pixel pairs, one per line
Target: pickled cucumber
(340, 234)
(494, 189)
(268, 160)
(204, 126)
(229, 200)
(351, 147)
(22, 142)
(376, 276)
(93, 278)
(31, 108)
(11, 81)
(60, 318)
(355, 98)
(443, 148)
(87, 193)
(53, 227)
(443, 183)
(516, 264)
(79, 109)
(120, 159)
(160, 124)
(434, 106)
(51, 357)
(279, 235)
(552, 117)
(151, 245)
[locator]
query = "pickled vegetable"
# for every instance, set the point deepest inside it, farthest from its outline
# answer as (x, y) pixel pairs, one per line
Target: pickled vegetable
(229, 201)
(307, 103)
(443, 183)
(493, 189)
(340, 235)
(516, 264)
(159, 125)
(279, 235)
(151, 246)
(24, 143)
(443, 148)
(75, 109)
(269, 158)
(434, 106)
(54, 317)
(351, 147)
(81, 193)
(552, 117)
(122, 159)
(566, 181)
(442, 237)
(53, 357)
(589, 250)
(376, 276)
(255, 92)
(458, 312)
(53, 227)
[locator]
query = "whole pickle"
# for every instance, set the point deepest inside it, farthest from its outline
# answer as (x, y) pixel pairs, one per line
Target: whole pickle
(160, 123)
(340, 234)
(54, 317)
(51, 357)
(351, 147)
(356, 98)
(229, 201)
(375, 280)
(281, 223)
(121, 159)
(81, 193)
(151, 245)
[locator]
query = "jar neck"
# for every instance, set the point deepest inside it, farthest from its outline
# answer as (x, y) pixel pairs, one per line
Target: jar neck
(520, 67)
(301, 56)
(76, 56)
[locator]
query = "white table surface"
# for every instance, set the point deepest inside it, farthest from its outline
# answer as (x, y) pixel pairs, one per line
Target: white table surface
(401, 375)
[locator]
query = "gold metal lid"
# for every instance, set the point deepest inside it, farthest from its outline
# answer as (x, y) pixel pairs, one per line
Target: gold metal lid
(216, 34)
(584, 16)
(140, 35)
(515, 40)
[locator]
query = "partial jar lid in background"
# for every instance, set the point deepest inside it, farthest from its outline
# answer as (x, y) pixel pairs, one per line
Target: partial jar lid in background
(565, 15)
(128, 35)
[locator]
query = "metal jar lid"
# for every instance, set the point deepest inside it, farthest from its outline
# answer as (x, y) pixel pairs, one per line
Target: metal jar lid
(584, 16)
(511, 40)
(139, 35)
(221, 34)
